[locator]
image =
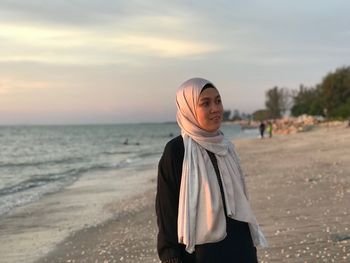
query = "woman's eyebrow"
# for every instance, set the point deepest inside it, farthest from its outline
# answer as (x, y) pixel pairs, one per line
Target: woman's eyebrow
(209, 98)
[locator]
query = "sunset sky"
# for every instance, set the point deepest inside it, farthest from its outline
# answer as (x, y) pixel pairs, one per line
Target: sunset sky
(104, 61)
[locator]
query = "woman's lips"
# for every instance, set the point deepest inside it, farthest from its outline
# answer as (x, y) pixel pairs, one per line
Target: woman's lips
(216, 118)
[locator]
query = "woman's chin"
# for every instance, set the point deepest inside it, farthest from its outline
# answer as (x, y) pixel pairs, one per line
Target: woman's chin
(213, 128)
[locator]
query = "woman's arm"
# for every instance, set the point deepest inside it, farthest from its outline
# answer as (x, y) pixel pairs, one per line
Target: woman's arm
(167, 200)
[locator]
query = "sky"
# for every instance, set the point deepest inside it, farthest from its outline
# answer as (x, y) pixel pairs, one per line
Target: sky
(111, 61)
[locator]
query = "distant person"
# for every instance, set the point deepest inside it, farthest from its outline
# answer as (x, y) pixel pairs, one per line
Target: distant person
(262, 129)
(269, 129)
(203, 212)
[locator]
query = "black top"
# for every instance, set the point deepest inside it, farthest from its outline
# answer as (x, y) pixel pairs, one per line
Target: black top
(236, 247)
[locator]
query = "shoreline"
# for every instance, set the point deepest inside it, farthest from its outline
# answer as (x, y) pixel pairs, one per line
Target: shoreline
(299, 188)
(32, 231)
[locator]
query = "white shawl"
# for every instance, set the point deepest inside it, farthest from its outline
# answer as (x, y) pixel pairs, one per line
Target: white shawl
(201, 216)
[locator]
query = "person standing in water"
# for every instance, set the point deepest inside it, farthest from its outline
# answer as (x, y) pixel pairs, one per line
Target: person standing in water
(202, 207)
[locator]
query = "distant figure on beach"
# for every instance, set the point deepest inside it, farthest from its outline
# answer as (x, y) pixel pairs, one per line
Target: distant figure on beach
(126, 142)
(203, 212)
(269, 128)
(262, 129)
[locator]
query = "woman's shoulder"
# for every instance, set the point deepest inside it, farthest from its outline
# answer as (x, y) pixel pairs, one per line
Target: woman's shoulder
(173, 155)
(174, 150)
(174, 145)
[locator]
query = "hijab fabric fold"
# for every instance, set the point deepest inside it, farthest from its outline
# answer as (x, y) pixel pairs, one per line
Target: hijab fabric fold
(201, 217)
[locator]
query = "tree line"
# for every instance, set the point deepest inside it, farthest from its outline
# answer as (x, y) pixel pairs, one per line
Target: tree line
(236, 115)
(330, 98)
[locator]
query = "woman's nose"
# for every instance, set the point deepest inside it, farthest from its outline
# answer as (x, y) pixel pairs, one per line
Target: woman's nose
(215, 107)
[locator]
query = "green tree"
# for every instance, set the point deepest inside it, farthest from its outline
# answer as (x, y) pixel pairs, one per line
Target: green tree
(261, 115)
(236, 115)
(246, 116)
(277, 101)
(335, 93)
(307, 101)
(226, 115)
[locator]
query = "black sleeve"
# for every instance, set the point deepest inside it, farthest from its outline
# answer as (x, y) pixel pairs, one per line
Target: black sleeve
(167, 200)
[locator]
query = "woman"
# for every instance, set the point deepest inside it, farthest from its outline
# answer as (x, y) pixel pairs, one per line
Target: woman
(203, 213)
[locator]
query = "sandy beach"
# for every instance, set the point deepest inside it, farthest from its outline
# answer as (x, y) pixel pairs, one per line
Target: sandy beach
(300, 190)
(299, 186)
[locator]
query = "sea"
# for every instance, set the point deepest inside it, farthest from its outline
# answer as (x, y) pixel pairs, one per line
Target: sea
(39, 160)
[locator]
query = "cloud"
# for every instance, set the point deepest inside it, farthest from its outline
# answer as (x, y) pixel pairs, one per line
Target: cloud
(100, 32)
(10, 86)
(58, 12)
(162, 46)
(85, 13)
(75, 45)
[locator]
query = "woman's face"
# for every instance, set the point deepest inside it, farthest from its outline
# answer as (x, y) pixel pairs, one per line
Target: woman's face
(209, 110)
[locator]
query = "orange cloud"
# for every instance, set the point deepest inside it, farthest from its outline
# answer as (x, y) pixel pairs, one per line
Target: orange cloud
(8, 86)
(163, 46)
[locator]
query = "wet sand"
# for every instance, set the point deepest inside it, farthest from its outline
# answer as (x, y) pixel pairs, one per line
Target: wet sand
(30, 232)
(299, 186)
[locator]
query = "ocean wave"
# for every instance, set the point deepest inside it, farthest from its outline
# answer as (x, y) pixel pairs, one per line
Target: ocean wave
(117, 152)
(62, 176)
(149, 154)
(9, 202)
(42, 162)
(27, 172)
(37, 182)
(33, 189)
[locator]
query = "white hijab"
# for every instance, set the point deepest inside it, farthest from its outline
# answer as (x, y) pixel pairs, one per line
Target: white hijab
(201, 216)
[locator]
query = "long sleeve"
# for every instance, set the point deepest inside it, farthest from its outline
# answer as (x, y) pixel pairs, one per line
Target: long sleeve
(167, 200)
